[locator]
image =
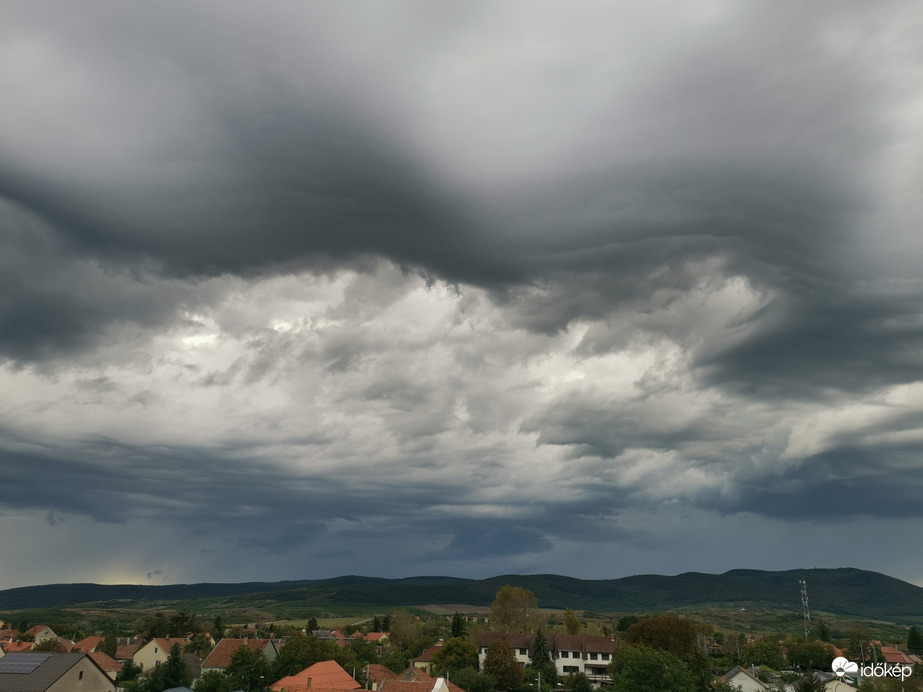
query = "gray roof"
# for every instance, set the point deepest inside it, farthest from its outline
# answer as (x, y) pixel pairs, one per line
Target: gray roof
(30, 671)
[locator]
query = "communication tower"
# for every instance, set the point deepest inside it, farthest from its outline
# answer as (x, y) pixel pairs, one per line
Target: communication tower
(804, 606)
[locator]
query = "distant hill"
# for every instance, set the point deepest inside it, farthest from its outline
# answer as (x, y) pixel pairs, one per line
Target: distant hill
(846, 592)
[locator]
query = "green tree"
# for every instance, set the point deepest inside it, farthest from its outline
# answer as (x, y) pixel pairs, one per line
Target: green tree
(571, 623)
(809, 683)
(578, 682)
(459, 626)
(668, 632)
(153, 626)
(218, 627)
(109, 645)
(822, 631)
(363, 652)
(200, 644)
(174, 672)
(47, 645)
(299, 652)
(249, 670)
(183, 624)
(915, 641)
(128, 673)
(396, 661)
(472, 681)
(645, 669)
(540, 659)
(626, 622)
(764, 652)
(501, 666)
(404, 629)
(213, 681)
(808, 654)
(456, 654)
(311, 625)
(734, 647)
(514, 609)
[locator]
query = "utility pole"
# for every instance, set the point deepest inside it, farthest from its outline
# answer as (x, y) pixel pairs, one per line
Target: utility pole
(804, 606)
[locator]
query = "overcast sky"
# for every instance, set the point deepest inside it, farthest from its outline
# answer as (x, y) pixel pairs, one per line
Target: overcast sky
(293, 290)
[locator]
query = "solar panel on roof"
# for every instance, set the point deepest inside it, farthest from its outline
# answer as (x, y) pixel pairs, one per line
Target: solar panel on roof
(23, 663)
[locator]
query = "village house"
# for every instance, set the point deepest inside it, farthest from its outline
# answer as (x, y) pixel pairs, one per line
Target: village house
(744, 680)
(52, 672)
(41, 633)
(221, 655)
(425, 660)
(156, 652)
(326, 675)
(570, 653)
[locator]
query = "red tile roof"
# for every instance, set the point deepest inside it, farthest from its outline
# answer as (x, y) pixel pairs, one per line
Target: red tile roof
(220, 656)
(10, 647)
(517, 640)
(87, 644)
(427, 654)
(127, 652)
(892, 655)
(414, 680)
(106, 662)
(378, 673)
(376, 636)
(326, 675)
(166, 643)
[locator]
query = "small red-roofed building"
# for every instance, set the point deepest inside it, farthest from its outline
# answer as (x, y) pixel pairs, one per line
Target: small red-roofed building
(8, 635)
(221, 655)
(415, 680)
(41, 633)
(425, 660)
(106, 663)
(326, 675)
(127, 651)
(374, 674)
(894, 657)
(11, 647)
(156, 652)
(87, 644)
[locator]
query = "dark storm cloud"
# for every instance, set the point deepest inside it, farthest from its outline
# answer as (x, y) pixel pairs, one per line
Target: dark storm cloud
(655, 254)
(271, 162)
(838, 484)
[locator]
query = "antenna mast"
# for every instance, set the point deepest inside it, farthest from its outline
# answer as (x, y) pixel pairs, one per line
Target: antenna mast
(804, 606)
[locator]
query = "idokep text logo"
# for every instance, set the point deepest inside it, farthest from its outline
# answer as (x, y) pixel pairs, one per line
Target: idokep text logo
(842, 666)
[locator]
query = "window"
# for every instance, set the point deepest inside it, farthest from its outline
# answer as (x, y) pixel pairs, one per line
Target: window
(522, 652)
(593, 657)
(80, 674)
(605, 657)
(563, 654)
(571, 669)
